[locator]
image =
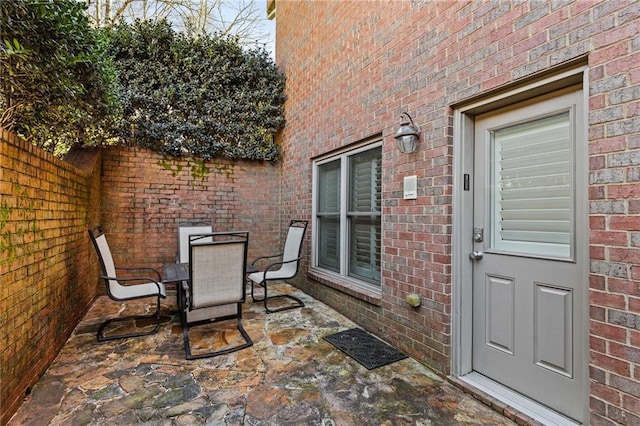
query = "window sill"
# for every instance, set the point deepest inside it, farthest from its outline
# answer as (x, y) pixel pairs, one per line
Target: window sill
(346, 286)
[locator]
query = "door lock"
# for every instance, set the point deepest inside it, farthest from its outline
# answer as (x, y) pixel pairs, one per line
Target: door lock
(476, 255)
(478, 235)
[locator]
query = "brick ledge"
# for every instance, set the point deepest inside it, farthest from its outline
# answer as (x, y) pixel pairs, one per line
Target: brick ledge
(346, 287)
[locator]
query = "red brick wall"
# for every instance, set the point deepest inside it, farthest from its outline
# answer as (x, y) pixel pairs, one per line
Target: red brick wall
(145, 195)
(47, 267)
(352, 67)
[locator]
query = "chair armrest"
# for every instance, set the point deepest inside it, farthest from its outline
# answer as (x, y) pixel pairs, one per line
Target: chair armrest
(140, 268)
(273, 265)
(282, 263)
(148, 279)
(265, 257)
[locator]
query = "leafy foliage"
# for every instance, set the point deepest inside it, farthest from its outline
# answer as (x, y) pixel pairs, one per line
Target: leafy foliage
(56, 81)
(64, 83)
(202, 96)
(244, 19)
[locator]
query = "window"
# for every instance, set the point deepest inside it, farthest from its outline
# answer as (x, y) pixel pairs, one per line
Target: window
(532, 186)
(348, 205)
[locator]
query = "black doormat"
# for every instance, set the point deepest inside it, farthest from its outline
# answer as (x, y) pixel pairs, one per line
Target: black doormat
(368, 350)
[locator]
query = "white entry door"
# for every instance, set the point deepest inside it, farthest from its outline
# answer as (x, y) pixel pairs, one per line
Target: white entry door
(529, 226)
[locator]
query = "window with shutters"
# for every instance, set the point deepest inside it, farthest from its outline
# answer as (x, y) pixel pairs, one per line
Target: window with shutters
(532, 187)
(348, 214)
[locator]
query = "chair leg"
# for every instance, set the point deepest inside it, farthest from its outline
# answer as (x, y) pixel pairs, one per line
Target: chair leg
(253, 297)
(102, 338)
(298, 303)
(187, 346)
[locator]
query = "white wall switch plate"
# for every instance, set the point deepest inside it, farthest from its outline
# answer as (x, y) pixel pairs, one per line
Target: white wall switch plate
(410, 187)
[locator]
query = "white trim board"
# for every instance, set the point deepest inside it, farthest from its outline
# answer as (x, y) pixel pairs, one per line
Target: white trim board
(517, 401)
(464, 125)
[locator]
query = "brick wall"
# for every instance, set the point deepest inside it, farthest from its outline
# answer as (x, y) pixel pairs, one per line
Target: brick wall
(48, 265)
(348, 78)
(48, 270)
(614, 192)
(352, 67)
(145, 195)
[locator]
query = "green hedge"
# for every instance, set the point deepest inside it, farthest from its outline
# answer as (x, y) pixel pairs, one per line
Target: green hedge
(57, 87)
(204, 96)
(66, 83)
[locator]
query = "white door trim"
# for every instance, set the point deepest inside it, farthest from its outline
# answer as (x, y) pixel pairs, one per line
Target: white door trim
(517, 401)
(462, 308)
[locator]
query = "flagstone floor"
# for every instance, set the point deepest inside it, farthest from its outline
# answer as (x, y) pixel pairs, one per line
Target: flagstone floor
(290, 376)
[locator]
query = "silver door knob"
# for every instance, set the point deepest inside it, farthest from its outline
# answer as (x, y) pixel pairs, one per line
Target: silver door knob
(475, 255)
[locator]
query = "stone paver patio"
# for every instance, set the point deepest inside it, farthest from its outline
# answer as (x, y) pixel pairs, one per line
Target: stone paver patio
(290, 376)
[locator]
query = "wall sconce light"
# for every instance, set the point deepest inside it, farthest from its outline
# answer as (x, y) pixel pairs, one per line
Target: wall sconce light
(408, 135)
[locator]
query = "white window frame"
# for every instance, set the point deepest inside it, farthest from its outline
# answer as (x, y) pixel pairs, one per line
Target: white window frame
(343, 275)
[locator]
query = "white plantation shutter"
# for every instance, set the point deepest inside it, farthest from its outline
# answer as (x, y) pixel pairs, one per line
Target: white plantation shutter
(365, 247)
(329, 215)
(532, 187)
(364, 213)
(366, 182)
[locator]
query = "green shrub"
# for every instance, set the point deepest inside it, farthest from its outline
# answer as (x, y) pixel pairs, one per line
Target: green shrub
(203, 96)
(56, 88)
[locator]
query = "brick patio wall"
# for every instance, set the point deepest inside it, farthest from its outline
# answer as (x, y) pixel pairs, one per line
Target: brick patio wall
(48, 269)
(145, 195)
(353, 66)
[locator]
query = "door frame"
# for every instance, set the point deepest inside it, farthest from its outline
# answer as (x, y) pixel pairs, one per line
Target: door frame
(549, 81)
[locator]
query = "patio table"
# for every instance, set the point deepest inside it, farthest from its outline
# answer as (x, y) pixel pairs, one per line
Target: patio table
(175, 272)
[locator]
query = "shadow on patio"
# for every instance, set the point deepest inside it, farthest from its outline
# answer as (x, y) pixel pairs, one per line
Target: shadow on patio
(289, 376)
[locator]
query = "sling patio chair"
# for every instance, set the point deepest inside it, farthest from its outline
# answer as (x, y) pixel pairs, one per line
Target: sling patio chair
(134, 286)
(215, 290)
(285, 268)
(186, 228)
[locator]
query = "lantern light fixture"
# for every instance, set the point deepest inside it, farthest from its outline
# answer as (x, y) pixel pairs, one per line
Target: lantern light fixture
(407, 135)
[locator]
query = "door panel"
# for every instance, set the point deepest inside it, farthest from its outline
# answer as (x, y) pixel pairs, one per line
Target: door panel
(499, 313)
(553, 328)
(527, 273)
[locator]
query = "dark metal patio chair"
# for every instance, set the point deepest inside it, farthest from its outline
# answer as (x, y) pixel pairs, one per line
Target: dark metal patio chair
(186, 228)
(141, 286)
(215, 291)
(285, 268)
